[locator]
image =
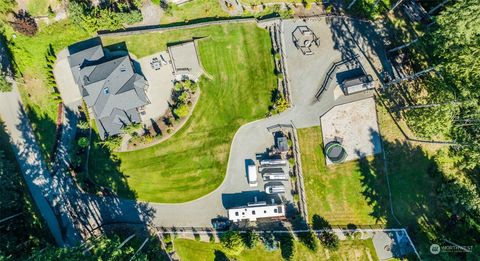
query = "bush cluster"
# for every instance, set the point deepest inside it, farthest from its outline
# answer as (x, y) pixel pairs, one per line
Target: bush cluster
(112, 17)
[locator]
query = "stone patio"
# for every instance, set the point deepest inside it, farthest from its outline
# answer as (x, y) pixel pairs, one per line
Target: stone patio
(160, 85)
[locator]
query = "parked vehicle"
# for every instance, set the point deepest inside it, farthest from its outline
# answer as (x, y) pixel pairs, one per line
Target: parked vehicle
(221, 223)
(275, 176)
(273, 168)
(357, 84)
(274, 188)
(278, 162)
(252, 175)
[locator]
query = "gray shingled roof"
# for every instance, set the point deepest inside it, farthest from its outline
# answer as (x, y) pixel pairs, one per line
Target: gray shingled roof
(110, 86)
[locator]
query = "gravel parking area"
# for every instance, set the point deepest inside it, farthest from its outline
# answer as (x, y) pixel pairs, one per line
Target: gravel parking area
(355, 126)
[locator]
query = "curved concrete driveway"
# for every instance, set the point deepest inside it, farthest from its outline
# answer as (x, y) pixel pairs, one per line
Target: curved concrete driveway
(305, 74)
(254, 137)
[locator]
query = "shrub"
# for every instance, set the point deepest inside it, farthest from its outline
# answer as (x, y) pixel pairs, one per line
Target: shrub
(94, 18)
(178, 86)
(280, 105)
(83, 125)
(251, 239)
(309, 239)
(232, 243)
(5, 86)
(269, 241)
(181, 111)
(308, 5)
(183, 98)
(24, 23)
(329, 240)
(291, 162)
(83, 142)
(196, 236)
(167, 238)
(112, 143)
(212, 238)
(329, 9)
(287, 246)
(169, 247)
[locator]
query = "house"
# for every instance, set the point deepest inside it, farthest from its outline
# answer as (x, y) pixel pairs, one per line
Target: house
(254, 211)
(109, 84)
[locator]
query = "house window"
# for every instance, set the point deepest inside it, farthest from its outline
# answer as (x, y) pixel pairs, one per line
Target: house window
(265, 211)
(236, 213)
(275, 210)
(253, 212)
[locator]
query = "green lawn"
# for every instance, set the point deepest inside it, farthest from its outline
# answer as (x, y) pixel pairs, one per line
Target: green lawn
(40, 7)
(196, 9)
(29, 55)
(339, 193)
(349, 250)
(414, 183)
(193, 162)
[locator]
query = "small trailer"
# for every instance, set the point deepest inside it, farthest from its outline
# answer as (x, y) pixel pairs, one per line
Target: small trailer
(274, 176)
(273, 162)
(357, 84)
(252, 175)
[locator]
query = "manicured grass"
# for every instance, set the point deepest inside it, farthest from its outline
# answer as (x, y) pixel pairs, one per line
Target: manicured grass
(349, 250)
(40, 7)
(337, 193)
(29, 55)
(196, 250)
(196, 9)
(193, 162)
(104, 168)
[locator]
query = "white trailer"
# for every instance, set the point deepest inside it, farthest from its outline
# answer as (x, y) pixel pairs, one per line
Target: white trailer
(358, 84)
(274, 176)
(278, 162)
(252, 175)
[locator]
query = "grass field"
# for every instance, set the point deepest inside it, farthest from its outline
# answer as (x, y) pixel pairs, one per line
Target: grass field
(193, 162)
(336, 193)
(29, 54)
(349, 250)
(40, 7)
(196, 9)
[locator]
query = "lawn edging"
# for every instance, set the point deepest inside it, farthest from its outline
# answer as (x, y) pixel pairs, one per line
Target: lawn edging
(169, 135)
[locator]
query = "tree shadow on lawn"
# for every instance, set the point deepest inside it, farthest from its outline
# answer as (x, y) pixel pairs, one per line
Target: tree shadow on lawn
(415, 180)
(80, 214)
(104, 170)
(44, 129)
